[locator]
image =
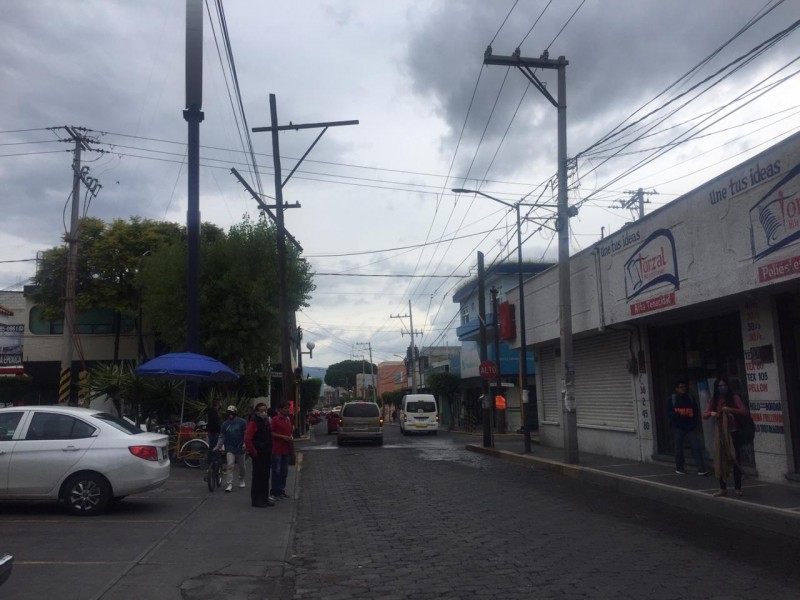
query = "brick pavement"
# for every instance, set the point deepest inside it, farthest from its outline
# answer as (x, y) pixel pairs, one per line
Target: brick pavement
(423, 518)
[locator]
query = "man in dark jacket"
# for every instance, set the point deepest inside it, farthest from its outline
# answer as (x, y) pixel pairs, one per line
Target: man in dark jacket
(683, 416)
(258, 441)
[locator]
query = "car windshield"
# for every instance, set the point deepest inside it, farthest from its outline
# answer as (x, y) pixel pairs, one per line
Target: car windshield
(360, 410)
(421, 406)
(118, 423)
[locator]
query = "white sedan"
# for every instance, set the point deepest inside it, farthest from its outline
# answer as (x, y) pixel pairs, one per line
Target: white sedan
(83, 458)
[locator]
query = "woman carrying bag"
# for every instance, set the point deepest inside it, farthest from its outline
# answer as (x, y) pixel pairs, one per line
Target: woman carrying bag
(724, 407)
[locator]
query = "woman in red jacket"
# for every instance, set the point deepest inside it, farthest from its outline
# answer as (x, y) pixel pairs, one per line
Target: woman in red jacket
(281, 448)
(725, 406)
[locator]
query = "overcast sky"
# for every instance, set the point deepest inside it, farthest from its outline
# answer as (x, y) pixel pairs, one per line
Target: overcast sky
(375, 197)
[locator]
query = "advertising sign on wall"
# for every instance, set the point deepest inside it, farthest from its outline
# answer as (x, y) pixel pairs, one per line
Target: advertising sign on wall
(11, 337)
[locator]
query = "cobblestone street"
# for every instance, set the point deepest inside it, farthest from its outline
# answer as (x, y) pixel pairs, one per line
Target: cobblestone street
(423, 518)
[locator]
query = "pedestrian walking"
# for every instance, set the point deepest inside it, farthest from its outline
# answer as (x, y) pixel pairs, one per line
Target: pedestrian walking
(684, 416)
(282, 442)
(231, 440)
(724, 406)
(258, 441)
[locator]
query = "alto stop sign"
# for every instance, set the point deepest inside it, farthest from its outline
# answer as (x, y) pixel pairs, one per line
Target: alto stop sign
(488, 369)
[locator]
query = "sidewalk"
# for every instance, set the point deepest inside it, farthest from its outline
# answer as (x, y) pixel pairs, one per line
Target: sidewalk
(770, 506)
(223, 548)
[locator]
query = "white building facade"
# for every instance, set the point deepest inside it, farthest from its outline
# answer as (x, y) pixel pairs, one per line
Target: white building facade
(707, 286)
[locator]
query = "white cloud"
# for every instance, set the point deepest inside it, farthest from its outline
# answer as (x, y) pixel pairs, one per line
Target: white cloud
(406, 70)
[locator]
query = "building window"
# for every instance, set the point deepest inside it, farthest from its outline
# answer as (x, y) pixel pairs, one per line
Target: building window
(464, 314)
(93, 321)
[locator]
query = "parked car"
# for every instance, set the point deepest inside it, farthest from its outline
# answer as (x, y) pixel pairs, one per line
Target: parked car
(85, 459)
(360, 421)
(333, 422)
(6, 564)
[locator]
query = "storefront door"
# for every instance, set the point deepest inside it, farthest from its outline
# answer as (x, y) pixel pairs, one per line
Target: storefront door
(698, 351)
(789, 325)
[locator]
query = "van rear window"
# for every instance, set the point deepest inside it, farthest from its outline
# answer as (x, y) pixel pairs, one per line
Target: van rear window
(360, 410)
(421, 406)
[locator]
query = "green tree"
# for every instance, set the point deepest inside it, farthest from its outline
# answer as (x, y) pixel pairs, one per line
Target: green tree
(119, 383)
(310, 389)
(445, 386)
(238, 297)
(343, 374)
(109, 258)
(394, 397)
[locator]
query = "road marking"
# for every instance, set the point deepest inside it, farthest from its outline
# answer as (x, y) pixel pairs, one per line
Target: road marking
(69, 562)
(78, 521)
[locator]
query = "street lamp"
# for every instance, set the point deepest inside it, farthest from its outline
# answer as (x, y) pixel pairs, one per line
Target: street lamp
(310, 346)
(523, 354)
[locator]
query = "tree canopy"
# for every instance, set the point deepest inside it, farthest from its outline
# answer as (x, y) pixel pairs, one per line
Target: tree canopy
(109, 257)
(343, 374)
(141, 263)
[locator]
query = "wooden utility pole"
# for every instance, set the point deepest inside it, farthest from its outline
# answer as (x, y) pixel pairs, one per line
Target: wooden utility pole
(79, 174)
(527, 67)
(287, 374)
(413, 358)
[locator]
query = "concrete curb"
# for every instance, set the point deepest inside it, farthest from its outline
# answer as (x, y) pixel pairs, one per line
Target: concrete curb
(742, 512)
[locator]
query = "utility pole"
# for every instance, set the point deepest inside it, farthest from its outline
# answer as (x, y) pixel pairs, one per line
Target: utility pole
(283, 305)
(65, 380)
(501, 415)
(527, 66)
(636, 201)
(482, 352)
(371, 369)
(413, 358)
(68, 336)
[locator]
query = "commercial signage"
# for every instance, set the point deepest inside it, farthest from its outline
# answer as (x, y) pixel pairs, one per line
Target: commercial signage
(11, 348)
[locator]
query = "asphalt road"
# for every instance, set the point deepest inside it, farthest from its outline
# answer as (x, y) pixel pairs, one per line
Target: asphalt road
(422, 518)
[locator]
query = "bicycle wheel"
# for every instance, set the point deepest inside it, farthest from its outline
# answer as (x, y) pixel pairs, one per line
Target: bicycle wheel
(218, 472)
(211, 478)
(193, 452)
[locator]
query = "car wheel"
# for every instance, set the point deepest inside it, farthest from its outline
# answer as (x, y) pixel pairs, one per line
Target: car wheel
(86, 494)
(379, 442)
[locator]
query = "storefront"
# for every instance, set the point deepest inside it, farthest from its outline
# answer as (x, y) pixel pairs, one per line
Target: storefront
(705, 287)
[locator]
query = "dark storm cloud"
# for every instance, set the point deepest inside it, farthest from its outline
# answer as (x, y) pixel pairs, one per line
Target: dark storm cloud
(621, 53)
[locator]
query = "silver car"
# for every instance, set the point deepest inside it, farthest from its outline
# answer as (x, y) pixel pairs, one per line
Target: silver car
(360, 421)
(83, 458)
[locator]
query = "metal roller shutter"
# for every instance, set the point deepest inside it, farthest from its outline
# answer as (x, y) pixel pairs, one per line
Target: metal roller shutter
(603, 386)
(549, 371)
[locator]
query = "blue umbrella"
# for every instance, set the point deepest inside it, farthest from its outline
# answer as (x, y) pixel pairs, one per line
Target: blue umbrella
(186, 366)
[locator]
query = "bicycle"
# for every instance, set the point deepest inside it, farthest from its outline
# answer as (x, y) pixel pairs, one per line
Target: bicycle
(214, 470)
(193, 452)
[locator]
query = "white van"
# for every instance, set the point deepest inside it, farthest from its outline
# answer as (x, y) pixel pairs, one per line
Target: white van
(419, 414)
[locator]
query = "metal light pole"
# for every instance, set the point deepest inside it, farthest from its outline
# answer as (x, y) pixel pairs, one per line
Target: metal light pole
(523, 349)
(193, 116)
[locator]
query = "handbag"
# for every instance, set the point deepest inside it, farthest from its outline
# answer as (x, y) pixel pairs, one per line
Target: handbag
(292, 457)
(747, 428)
